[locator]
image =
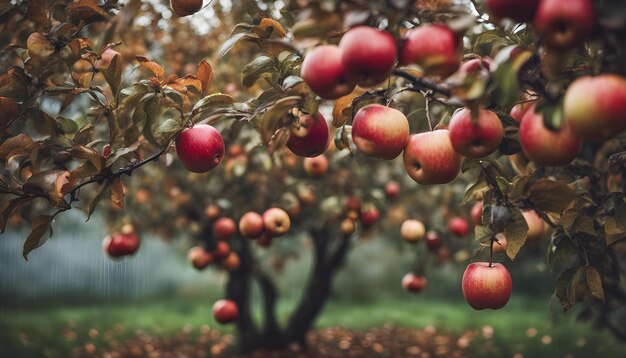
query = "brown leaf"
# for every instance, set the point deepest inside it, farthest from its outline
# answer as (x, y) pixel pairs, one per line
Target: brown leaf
(613, 231)
(86, 10)
(93, 204)
(549, 195)
(14, 84)
(594, 282)
(277, 29)
(11, 206)
(516, 232)
(18, 145)
(205, 74)
(36, 238)
(271, 118)
(37, 12)
(190, 81)
(39, 46)
(117, 193)
(152, 66)
(342, 110)
(279, 139)
(89, 154)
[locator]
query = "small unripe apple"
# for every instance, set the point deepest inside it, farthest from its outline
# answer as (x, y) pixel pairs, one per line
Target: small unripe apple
(435, 48)
(199, 257)
(323, 71)
(347, 226)
(475, 137)
(459, 226)
(276, 222)
(433, 240)
(486, 286)
(412, 230)
(311, 138)
(317, 166)
(225, 311)
(536, 226)
(200, 148)
(516, 10)
(222, 250)
(380, 131)
(185, 7)
(546, 147)
(477, 213)
(564, 24)
(392, 189)
(368, 54)
(231, 262)
(369, 216)
(595, 107)
(429, 158)
(224, 228)
(251, 225)
(414, 283)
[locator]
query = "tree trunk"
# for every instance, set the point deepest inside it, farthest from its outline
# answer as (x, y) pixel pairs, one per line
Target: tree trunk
(272, 336)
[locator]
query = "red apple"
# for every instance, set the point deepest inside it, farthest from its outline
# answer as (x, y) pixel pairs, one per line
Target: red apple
(317, 166)
(369, 216)
(380, 131)
(519, 110)
(231, 262)
(595, 107)
(475, 65)
(459, 226)
(433, 240)
(477, 213)
(414, 283)
(323, 71)
(225, 311)
(564, 24)
(435, 48)
(412, 230)
(199, 257)
(546, 147)
(185, 7)
(222, 250)
(486, 286)
(429, 158)
(475, 137)
(516, 10)
(123, 243)
(310, 137)
(276, 222)
(200, 148)
(224, 228)
(392, 189)
(353, 203)
(368, 54)
(536, 226)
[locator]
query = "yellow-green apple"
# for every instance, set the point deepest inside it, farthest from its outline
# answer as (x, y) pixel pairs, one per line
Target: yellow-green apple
(516, 10)
(310, 137)
(276, 222)
(458, 226)
(222, 250)
(414, 283)
(433, 240)
(475, 137)
(224, 228)
(435, 48)
(412, 230)
(544, 146)
(486, 286)
(392, 189)
(564, 24)
(368, 54)
(369, 216)
(347, 226)
(429, 158)
(380, 131)
(536, 226)
(200, 148)
(251, 225)
(323, 71)
(199, 257)
(123, 243)
(595, 107)
(477, 213)
(225, 311)
(316, 166)
(185, 7)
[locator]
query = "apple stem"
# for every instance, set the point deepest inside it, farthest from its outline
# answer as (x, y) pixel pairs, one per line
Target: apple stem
(426, 95)
(491, 250)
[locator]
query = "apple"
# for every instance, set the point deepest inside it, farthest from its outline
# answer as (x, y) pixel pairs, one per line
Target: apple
(235, 150)
(500, 244)
(475, 137)
(212, 211)
(412, 230)
(185, 7)
(323, 71)
(564, 25)
(429, 158)
(199, 257)
(392, 189)
(380, 131)
(435, 48)
(595, 107)
(225, 311)
(486, 286)
(307, 194)
(224, 228)
(251, 225)
(369, 216)
(347, 226)
(519, 110)
(414, 283)
(368, 54)
(124, 243)
(476, 213)
(536, 226)
(459, 226)
(231, 262)
(475, 65)
(316, 166)
(433, 240)
(516, 10)
(546, 147)
(222, 250)
(200, 148)
(310, 138)
(276, 222)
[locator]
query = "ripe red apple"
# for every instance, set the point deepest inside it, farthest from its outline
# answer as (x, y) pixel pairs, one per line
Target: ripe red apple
(414, 283)
(222, 250)
(536, 226)
(412, 230)
(564, 24)
(516, 10)
(225, 311)
(459, 226)
(199, 257)
(185, 7)
(200, 148)
(231, 262)
(106, 150)
(392, 189)
(276, 222)
(310, 138)
(429, 158)
(369, 216)
(323, 71)
(475, 137)
(433, 240)
(486, 286)
(595, 107)
(368, 54)
(123, 243)
(477, 213)
(435, 48)
(475, 65)
(546, 147)
(224, 228)
(519, 110)
(380, 131)
(317, 166)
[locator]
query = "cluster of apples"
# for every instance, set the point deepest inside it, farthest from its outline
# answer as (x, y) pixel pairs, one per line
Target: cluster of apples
(368, 215)
(264, 228)
(200, 258)
(122, 243)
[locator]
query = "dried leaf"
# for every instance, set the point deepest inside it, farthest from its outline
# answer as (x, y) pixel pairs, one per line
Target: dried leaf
(275, 28)
(19, 145)
(93, 204)
(39, 46)
(205, 74)
(516, 232)
(36, 238)
(151, 66)
(594, 282)
(89, 154)
(8, 210)
(342, 110)
(86, 10)
(549, 195)
(117, 193)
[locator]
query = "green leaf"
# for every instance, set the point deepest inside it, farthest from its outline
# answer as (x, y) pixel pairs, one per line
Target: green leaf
(211, 107)
(503, 184)
(482, 233)
(273, 115)
(256, 69)
(561, 253)
(518, 187)
(549, 195)
(516, 232)
(113, 74)
(84, 135)
(36, 238)
(594, 282)
(65, 125)
(470, 193)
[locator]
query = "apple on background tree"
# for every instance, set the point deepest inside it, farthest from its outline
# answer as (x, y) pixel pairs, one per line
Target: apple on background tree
(412, 230)
(476, 213)
(475, 137)
(433, 240)
(368, 54)
(475, 65)
(536, 226)
(380, 131)
(486, 286)
(123, 243)
(347, 226)
(323, 71)
(392, 189)
(429, 158)
(225, 311)
(276, 222)
(459, 226)
(231, 262)
(369, 216)
(414, 283)
(501, 243)
(310, 137)
(434, 47)
(316, 166)
(222, 250)
(564, 25)
(200, 148)
(199, 257)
